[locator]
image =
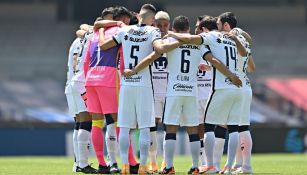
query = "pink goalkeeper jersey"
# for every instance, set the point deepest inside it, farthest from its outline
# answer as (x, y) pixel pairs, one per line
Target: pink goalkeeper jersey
(100, 67)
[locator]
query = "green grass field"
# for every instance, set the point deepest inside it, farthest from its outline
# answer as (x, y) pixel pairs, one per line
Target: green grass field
(262, 164)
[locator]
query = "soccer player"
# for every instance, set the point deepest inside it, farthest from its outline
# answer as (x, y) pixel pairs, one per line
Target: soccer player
(245, 65)
(136, 96)
(78, 86)
(204, 79)
(102, 83)
(73, 111)
(181, 101)
(159, 80)
(225, 89)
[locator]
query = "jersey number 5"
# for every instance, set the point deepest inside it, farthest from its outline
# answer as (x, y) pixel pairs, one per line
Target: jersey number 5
(185, 64)
(132, 56)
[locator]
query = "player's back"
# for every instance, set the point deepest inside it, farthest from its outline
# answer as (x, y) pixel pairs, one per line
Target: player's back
(183, 66)
(225, 49)
(243, 63)
(137, 43)
(102, 63)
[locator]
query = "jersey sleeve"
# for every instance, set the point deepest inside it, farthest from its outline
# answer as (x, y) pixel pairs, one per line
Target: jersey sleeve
(204, 50)
(155, 34)
(77, 48)
(118, 36)
(206, 38)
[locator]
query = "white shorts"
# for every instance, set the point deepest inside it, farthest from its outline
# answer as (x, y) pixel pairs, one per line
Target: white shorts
(224, 107)
(201, 110)
(181, 111)
(75, 103)
(159, 106)
(136, 107)
(245, 113)
(78, 86)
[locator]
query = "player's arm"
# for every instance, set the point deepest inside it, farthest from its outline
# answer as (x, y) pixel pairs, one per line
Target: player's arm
(141, 65)
(244, 34)
(80, 33)
(105, 44)
(186, 38)
(241, 49)
(75, 61)
(85, 27)
(223, 69)
(107, 23)
(251, 66)
(162, 47)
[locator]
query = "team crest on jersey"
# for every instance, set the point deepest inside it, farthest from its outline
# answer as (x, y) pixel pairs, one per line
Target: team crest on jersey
(161, 64)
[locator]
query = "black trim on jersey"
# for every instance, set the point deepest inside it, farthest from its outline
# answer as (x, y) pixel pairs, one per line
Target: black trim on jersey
(164, 111)
(202, 39)
(152, 88)
(141, 25)
(115, 40)
(207, 106)
(206, 54)
(213, 78)
(75, 54)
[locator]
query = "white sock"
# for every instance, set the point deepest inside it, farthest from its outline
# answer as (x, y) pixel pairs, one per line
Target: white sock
(111, 143)
(246, 144)
(202, 154)
(75, 144)
(153, 147)
(239, 159)
(195, 146)
(144, 145)
(169, 151)
(232, 148)
(209, 140)
(83, 141)
(124, 144)
(218, 152)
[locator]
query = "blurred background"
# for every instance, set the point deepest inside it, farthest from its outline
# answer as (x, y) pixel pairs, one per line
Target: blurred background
(35, 37)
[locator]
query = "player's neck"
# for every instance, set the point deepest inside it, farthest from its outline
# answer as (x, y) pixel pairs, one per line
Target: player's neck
(143, 22)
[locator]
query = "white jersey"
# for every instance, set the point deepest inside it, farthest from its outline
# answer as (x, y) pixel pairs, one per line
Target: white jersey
(73, 50)
(137, 43)
(225, 49)
(204, 81)
(159, 76)
(183, 66)
(79, 76)
(243, 63)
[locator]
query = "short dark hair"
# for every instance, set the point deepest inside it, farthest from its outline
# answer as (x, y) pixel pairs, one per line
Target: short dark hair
(107, 11)
(149, 7)
(181, 23)
(121, 11)
(230, 18)
(133, 20)
(200, 18)
(209, 22)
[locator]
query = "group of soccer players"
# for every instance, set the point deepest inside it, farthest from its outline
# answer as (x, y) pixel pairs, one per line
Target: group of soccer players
(130, 71)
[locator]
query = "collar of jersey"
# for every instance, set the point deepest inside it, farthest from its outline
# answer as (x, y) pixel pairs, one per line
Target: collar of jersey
(142, 25)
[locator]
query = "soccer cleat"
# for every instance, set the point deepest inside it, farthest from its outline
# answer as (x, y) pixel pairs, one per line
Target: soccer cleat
(76, 168)
(88, 170)
(225, 170)
(134, 169)
(125, 169)
(114, 169)
(193, 171)
(163, 165)
(207, 170)
(242, 170)
(103, 170)
(153, 167)
(170, 170)
(144, 170)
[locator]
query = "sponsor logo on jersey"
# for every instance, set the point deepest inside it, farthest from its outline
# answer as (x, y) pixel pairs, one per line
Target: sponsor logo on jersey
(183, 78)
(183, 87)
(133, 79)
